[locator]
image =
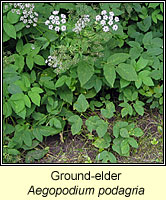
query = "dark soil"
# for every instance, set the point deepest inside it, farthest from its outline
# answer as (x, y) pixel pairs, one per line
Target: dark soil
(79, 149)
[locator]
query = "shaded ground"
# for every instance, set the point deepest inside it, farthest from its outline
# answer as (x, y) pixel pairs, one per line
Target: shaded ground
(78, 149)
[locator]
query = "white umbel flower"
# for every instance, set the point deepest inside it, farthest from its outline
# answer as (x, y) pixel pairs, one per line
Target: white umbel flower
(103, 22)
(110, 23)
(47, 22)
(55, 12)
(111, 13)
(63, 16)
(63, 28)
(57, 28)
(98, 18)
(105, 17)
(116, 19)
(105, 28)
(50, 27)
(103, 12)
(63, 21)
(115, 27)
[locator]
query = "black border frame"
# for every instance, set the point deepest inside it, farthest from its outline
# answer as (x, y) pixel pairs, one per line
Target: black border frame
(81, 164)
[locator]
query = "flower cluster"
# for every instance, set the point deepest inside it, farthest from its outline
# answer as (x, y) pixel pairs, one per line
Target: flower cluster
(61, 59)
(56, 22)
(107, 20)
(81, 23)
(26, 11)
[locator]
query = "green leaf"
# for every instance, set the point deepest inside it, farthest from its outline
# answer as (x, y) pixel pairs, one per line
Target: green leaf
(22, 113)
(109, 73)
(37, 90)
(19, 46)
(81, 104)
(85, 71)
(10, 30)
(125, 148)
(147, 39)
(27, 137)
(124, 133)
(139, 109)
(95, 123)
(124, 112)
(145, 24)
(98, 84)
(27, 101)
(155, 51)
(37, 134)
(19, 62)
(35, 154)
(106, 156)
(101, 143)
(8, 129)
(12, 17)
(128, 107)
(127, 72)
(76, 123)
(39, 60)
(117, 58)
(117, 126)
(109, 111)
(133, 142)
(141, 63)
(138, 132)
(14, 89)
(124, 83)
(14, 152)
(66, 94)
(60, 81)
(144, 76)
(35, 97)
(102, 127)
(135, 52)
(29, 62)
(56, 122)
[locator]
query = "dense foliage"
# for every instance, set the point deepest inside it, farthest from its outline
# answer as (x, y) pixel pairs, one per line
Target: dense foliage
(72, 65)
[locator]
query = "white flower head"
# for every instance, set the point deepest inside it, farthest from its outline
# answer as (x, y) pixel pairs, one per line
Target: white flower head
(103, 12)
(50, 27)
(35, 19)
(116, 19)
(63, 16)
(53, 21)
(63, 21)
(51, 17)
(98, 18)
(21, 18)
(56, 18)
(105, 28)
(47, 22)
(110, 23)
(110, 17)
(55, 12)
(25, 21)
(36, 14)
(57, 28)
(103, 22)
(57, 22)
(30, 21)
(111, 13)
(115, 27)
(105, 17)
(34, 24)
(63, 28)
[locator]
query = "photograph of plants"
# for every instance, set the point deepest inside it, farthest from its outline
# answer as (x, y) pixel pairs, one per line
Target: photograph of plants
(82, 82)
